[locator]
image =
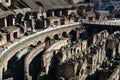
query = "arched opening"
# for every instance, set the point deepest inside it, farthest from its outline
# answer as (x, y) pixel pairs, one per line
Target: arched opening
(35, 67)
(15, 68)
(47, 41)
(88, 8)
(80, 10)
(49, 13)
(56, 37)
(78, 51)
(1, 37)
(53, 68)
(32, 46)
(15, 34)
(39, 42)
(72, 35)
(64, 34)
(57, 12)
(21, 29)
(117, 16)
(10, 20)
(65, 12)
(62, 21)
(27, 16)
(19, 18)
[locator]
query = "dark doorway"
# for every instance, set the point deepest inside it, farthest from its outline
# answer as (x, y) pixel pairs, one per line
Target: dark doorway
(56, 23)
(15, 34)
(90, 18)
(8, 37)
(62, 21)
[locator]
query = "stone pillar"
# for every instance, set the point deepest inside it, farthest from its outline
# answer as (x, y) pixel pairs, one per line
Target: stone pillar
(114, 52)
(119, 48)
(5, 66)
(94, 39)
(53, 13)
(76, 67)
(45, 23)
(33, 25)
(25, 25)
(60, 12)
(22, 20)
(13, 22)
(30, 17)
(77, 33)
(26, 70)
(5, 21)
(1, 74)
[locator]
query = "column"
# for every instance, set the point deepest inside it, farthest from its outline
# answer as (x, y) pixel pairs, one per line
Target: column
(119, 48)
(53, 13)
(1, 74)
(33, 25)
(25, 25)
(45, 23)
(60, 12)
(114, 52)
(5, 21)
(30, 17)
(22, 20)
(13, 21)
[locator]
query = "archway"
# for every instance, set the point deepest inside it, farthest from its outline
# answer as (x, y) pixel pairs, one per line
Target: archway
(32, 46)
(19, 18)
(27, 16)
(72, 35)
(35, 66)
(10, 20)
(47, 41)
(39, 42)
(15, 69)
(56, 37)
(64, 34)
(1, 37)
(49, 13)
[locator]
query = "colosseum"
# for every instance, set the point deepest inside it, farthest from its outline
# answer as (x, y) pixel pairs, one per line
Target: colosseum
(59, 40)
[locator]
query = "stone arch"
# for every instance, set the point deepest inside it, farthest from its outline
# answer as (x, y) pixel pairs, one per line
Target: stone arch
(13, 65)
(27, 16)
(22, 30)
(64, 34)
(19, 17)
(32, 46)
(56, 37)
(1, 37)
(49, 13)
(88, 8)
(78, 50)
(80, 10)
(33, 68)
(47, 41)
(39, 42)
(34, 54)
(10, 19)
(72, 35)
